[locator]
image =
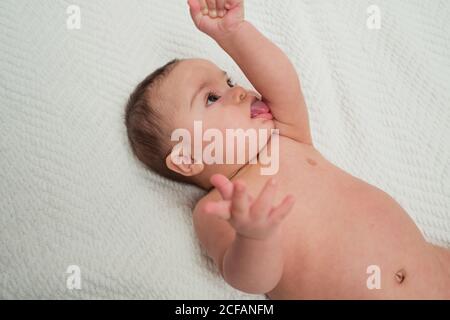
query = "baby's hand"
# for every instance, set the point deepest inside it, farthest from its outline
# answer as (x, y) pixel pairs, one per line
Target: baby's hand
(217, 18)
(255, 219)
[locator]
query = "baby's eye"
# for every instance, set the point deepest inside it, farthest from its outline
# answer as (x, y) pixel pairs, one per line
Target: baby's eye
(212, 97)
(230, 83)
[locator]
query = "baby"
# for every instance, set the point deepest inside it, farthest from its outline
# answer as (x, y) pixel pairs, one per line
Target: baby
(308, 231)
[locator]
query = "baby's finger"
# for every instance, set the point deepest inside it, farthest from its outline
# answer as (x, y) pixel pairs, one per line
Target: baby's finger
(194, 8)
(220, 209)
(212, 8)
(203, 7)
(263, 203)
(223, 185)
(278, 213)
(220, 5)
(239, 200)
(230, 4)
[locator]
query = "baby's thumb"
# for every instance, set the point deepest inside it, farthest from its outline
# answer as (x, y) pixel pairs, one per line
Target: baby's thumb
(231, 4)
(194, 8)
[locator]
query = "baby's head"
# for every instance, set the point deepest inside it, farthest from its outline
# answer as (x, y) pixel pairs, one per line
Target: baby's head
(174, 97)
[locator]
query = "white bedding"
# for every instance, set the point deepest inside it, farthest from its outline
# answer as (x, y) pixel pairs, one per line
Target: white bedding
(72, 194)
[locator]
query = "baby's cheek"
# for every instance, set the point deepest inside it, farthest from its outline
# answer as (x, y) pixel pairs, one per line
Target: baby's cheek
(221, 121)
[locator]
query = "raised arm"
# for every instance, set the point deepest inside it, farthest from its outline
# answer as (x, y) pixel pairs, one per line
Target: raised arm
(263, 63)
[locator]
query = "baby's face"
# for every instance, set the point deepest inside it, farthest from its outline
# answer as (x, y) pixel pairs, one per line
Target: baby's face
(197, 90)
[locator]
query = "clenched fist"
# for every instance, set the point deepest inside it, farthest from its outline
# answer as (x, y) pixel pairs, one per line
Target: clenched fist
(217, 18)
(255, 219)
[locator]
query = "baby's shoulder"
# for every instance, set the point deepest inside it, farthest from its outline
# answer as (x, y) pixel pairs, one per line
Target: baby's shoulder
(211, 195)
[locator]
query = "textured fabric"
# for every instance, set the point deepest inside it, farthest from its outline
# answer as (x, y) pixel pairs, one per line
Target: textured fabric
(72, 194)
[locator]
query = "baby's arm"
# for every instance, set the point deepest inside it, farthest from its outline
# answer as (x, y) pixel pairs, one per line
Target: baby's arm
(264, 64)
(245, 242)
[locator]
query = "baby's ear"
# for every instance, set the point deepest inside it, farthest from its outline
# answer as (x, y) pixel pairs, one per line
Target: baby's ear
(183, 164)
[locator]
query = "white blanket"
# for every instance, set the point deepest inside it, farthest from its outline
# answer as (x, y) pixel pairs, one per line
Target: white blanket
(72, 194)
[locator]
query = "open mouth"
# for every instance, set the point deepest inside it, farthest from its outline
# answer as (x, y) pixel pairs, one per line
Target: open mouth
(260, 110)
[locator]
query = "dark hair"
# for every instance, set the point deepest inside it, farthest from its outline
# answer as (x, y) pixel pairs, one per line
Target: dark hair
(146, 129)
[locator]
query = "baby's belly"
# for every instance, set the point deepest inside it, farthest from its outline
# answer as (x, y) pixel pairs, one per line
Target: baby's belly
(344, 235)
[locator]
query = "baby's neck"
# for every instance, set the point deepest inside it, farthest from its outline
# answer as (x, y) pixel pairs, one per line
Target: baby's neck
(233, 175)
(248, 169)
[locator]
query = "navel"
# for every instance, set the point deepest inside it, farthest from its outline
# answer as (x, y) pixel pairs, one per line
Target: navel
(311, 161)
(400, 276)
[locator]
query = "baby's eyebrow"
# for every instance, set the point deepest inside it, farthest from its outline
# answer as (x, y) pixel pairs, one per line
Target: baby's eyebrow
(202, 86)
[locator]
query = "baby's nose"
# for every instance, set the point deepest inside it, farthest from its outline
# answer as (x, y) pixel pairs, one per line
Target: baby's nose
(238, 95)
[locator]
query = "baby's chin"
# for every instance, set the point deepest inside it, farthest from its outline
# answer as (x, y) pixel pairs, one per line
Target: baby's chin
(264, 122)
